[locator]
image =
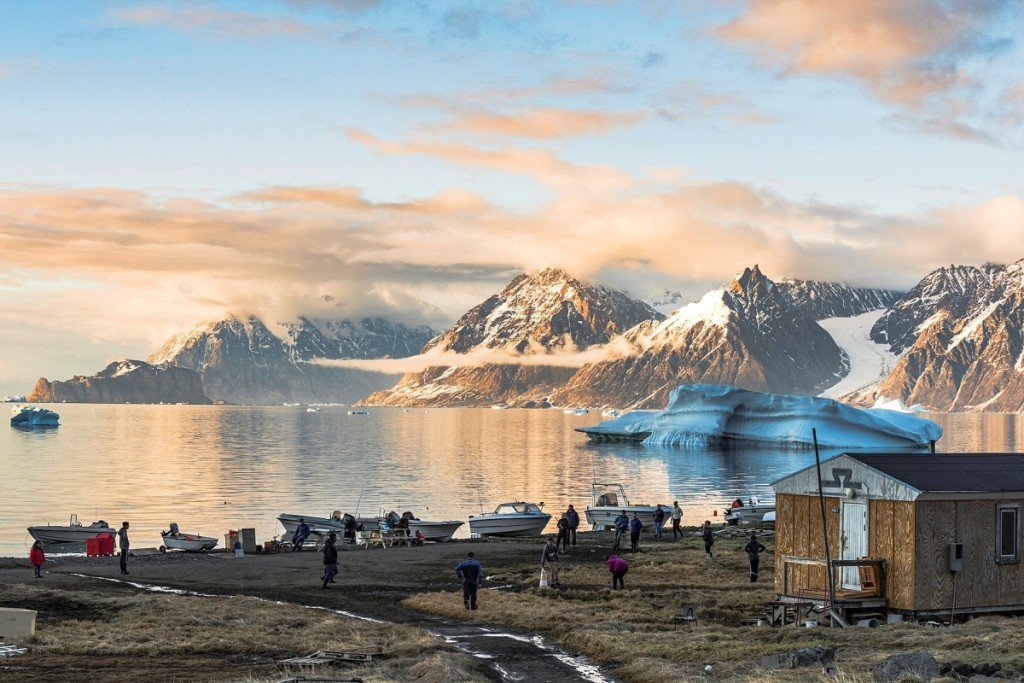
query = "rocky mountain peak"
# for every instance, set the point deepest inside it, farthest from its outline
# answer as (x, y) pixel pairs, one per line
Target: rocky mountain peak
(752, 285)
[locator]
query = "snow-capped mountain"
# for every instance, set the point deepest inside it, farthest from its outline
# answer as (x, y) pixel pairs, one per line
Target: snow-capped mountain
(749, 334)
(949, 289)
(545, 313)
(968, 353)
(243, 361)
(125, 381)
(823, 300)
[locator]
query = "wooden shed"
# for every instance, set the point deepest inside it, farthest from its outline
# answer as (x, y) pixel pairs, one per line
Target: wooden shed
(917, 534)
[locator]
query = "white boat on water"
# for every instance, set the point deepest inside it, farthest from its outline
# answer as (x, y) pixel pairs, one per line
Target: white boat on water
(609, 501)
(31, 416)
(190, 543)
(753, 511)
(510, 519)
(74, 532)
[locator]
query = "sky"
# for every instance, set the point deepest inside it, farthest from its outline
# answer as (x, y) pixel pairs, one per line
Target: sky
(164, 164)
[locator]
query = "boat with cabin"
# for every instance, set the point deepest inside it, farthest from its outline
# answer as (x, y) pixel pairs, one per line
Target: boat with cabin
(438, 531)
(511, 519)
(73, 532)
(610, 500)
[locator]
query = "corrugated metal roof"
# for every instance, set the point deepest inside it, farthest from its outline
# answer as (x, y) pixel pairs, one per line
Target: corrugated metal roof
(950, 472)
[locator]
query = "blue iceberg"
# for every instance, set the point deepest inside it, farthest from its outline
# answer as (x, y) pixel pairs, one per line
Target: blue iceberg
(724, 416)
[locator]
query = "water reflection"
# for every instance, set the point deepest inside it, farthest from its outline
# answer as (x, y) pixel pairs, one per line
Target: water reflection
(215, 468)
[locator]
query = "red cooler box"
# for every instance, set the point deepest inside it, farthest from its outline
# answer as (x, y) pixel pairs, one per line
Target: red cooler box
(106, 544)
(92, 547)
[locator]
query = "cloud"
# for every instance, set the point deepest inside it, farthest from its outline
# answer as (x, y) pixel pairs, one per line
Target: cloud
(131, 268)
(934, 59)
(904, 51)
(197, 19)
(539, 123)
(539, 164)
(482, 357)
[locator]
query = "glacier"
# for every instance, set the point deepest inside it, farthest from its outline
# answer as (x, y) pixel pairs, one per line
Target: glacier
(723, 416)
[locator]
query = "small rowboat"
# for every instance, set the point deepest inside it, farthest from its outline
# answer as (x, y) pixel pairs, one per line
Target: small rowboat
(191, 543)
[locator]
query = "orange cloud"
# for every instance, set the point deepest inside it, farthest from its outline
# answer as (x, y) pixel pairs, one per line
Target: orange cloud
(901, 50)
(542, 123)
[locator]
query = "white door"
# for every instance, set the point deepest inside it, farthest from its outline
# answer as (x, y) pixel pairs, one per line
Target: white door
(855, 541)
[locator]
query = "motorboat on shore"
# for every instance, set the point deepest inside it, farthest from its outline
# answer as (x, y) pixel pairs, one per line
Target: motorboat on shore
(31, 416)
(438, 531)
(190, 543)
(610, 500)
(319, 527)
(751, 512)
(74, 532)
(511, 519)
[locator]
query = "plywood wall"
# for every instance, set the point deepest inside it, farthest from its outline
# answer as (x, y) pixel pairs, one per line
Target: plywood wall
(890, 537)
(983, 582)
(798, 532)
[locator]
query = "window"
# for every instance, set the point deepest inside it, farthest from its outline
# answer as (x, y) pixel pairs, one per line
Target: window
(1008, 532)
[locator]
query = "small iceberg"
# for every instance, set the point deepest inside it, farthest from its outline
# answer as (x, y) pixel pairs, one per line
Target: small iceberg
(724, 416)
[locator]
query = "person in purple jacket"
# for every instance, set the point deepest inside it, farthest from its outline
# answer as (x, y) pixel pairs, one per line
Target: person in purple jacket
(618, 567)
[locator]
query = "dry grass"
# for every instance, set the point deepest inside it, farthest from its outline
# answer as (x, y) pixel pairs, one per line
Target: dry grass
(237, 638)
(633, 634)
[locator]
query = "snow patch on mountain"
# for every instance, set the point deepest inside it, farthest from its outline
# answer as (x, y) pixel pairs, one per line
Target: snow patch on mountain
(870, 362)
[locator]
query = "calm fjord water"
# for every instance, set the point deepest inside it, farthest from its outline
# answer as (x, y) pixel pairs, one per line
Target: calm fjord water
(215, 468)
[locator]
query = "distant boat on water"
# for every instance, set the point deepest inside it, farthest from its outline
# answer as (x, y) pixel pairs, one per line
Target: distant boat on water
(30, 416)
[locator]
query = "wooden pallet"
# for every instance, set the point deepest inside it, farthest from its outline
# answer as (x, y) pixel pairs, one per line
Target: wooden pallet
(331, 657)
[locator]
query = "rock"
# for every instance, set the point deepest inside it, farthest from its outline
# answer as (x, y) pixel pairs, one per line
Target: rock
(920, 664)
(809, 656)
(962, 669)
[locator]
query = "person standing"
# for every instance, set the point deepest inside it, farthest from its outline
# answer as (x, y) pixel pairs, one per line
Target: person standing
(574, 523)
(621, 527)
(38, 558)
(472, 575)
(659, 520)
(618, 567)
(635, 527)
(709, 538)
(677, 518)
(563, 532)
(330, 559)
(549, 562)
(122, 541)
(754, 550)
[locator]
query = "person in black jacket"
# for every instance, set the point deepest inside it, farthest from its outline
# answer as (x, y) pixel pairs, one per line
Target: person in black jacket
(574, 523)
(709, 538)
(753, 549)
(330, 559)
(471, 573)
(563, 532)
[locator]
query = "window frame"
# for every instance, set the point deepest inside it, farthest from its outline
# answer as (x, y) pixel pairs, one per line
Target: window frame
(1001, 510)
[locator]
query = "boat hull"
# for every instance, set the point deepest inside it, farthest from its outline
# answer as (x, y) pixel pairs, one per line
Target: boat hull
(65, 535)
(190, 543)
(750, 514)
(440, 532)
(603, 516)
(508, 525)
(319, 526)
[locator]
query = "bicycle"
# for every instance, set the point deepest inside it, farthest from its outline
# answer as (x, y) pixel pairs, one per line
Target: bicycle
(278, 545)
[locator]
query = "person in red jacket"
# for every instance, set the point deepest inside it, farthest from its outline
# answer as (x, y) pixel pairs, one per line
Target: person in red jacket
(38, 558)
(618, 567)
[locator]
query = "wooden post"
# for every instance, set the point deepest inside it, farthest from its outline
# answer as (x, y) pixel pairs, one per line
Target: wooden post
(824, 534)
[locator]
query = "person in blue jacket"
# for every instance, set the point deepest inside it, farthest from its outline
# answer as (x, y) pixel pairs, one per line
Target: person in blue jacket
(472, 575)
(302, 532)
(635, 526)
(621, 527)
